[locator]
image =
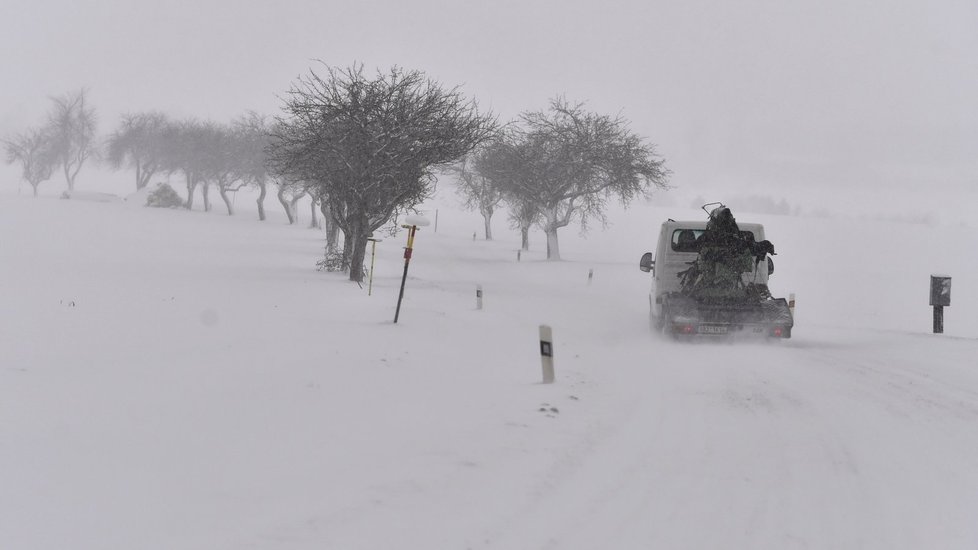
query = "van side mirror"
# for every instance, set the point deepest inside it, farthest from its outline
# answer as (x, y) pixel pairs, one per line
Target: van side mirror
(646, 264)
(770, 266)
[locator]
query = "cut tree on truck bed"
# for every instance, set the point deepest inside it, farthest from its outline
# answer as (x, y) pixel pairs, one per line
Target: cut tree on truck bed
(710, 277)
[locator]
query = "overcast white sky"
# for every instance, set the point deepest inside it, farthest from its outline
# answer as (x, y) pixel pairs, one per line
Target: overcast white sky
(750, 92)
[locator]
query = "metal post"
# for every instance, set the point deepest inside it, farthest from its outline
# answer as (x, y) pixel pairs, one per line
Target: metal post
(940, 296)
(436, 221)
(407, 260)
(373, 252)
(547, 353)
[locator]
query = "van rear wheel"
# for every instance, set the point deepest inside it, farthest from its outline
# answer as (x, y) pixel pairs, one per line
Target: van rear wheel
(666, 328)
(655, 323)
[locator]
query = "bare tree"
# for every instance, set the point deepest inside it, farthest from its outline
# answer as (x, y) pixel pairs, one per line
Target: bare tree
(289, 193)
(223, 161)
(371, 145)
(313, 216)
(204, 154)
(32, 150)
(254, 137)
(71, 131)
(137, 144)
(569, 162)
(331, 228)
(524, 212)
(188, 148)
(477, 191)
(500, 163)
(177, 149)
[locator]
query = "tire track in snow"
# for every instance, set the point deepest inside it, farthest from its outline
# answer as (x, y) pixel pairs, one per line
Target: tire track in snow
(721, 446)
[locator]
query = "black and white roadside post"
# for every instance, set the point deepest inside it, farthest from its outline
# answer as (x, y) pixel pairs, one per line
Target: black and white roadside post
(547, 353)
(940, 296)
(412, 223)
(373, 253)
(478, 297)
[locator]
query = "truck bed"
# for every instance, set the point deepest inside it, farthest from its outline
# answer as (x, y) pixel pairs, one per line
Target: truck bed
(683, 315)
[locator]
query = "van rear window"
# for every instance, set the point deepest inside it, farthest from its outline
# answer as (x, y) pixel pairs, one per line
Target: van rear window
(687, 240)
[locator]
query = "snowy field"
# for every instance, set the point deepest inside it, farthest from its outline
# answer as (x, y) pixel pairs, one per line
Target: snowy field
(174, 380)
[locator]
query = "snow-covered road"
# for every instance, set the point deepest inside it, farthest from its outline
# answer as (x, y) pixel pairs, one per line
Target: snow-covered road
(867, 443)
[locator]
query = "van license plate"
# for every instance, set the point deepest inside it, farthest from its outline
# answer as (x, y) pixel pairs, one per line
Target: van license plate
(712, 329)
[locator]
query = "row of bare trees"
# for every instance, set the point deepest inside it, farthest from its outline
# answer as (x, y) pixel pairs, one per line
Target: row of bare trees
(205, 155)
(367, 148)
(557, 166)
(63, 142)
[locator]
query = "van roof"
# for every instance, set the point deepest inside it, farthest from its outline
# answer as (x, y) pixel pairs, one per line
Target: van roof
(670, 226)
(701, 224)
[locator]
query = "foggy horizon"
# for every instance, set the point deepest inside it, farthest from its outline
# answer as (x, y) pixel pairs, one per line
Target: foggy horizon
(767, 94)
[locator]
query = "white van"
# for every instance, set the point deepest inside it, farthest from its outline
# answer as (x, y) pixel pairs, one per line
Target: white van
(677, 249)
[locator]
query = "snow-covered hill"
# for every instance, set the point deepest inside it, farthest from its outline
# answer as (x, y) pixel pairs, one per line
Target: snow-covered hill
(181, 380)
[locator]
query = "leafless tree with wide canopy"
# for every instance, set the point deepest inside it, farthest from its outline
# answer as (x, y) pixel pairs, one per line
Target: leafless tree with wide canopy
(565, 163)
(371, 144)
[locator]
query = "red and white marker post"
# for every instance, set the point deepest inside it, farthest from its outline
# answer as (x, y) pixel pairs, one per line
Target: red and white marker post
(412, 223)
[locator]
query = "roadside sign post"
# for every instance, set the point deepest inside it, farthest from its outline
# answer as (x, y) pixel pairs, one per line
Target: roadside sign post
(373, 253)
(940, 296)
(411, 224)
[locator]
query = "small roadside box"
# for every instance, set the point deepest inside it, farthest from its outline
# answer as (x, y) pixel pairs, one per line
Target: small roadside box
(940, 290)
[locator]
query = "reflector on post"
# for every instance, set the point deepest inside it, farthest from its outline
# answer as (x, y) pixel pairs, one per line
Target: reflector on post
(547, 353)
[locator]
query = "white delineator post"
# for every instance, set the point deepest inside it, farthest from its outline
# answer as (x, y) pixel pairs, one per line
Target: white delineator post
(547, 353)
(478, 297)
(791, 304)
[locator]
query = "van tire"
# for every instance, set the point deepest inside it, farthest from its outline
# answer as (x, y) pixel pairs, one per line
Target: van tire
(655, 323)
